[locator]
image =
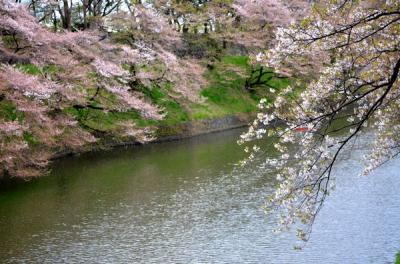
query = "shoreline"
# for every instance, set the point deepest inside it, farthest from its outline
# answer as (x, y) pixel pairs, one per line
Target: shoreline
(171, 133)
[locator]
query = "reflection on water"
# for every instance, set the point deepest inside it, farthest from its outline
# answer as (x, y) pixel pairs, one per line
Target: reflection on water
(183, 202)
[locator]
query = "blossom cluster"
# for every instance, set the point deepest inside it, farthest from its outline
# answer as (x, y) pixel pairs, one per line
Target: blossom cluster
(353, 51)
(53, 74)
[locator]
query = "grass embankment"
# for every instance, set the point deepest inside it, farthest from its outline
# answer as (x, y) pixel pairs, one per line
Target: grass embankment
(225, 95)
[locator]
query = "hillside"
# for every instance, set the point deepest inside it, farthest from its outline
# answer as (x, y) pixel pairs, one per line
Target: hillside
(65, 89)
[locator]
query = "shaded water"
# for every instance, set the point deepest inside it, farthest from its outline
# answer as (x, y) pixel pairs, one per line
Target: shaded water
(183, 202)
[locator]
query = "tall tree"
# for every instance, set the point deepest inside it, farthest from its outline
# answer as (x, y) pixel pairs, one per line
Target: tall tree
(65, 14)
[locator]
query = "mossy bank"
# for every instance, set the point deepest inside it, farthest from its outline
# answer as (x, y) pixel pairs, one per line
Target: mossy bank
(227, 102)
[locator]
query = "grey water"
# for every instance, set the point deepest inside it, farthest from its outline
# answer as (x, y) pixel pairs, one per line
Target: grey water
(187, 202)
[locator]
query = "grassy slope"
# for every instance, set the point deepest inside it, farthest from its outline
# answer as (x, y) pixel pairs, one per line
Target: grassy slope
(225, 95)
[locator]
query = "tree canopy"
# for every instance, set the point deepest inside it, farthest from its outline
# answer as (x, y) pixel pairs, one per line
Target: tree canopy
(73, 73)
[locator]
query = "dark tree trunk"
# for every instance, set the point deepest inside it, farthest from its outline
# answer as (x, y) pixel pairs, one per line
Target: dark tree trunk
(67, 16)
(85, 8)
(54, 21)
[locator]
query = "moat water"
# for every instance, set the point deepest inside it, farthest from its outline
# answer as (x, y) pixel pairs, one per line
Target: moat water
(186, 202)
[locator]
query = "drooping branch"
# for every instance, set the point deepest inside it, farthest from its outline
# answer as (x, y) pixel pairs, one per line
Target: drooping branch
(357, 86)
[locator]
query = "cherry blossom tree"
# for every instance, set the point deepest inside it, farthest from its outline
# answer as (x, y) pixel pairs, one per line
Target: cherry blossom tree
(106, 54)
(356, 89)
(252, 23)
(90, 77)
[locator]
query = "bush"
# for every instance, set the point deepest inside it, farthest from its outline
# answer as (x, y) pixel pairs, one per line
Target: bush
(199, 46)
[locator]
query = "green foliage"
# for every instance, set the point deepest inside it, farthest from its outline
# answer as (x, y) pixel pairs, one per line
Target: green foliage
(154, 93)
(269, 77)
(240, 61)
(30, 139)
(99, 120)
(279, 83)
(52, 69)
(36, 70)
(92, 75)
(106, 121)
(9, 112)
(29, 68)
(175, 112)
(226, 94)
(9, 41)
(95, 119)
(126, 66)
(397, 258)
(201, 112)
(168, 86)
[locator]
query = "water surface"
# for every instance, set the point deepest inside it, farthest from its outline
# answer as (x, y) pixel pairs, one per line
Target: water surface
(184, 202)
